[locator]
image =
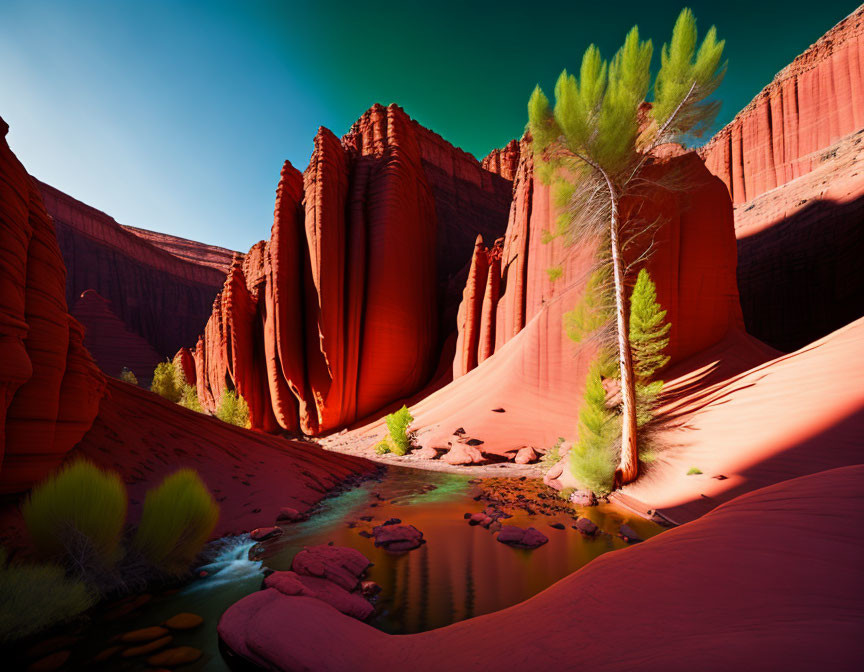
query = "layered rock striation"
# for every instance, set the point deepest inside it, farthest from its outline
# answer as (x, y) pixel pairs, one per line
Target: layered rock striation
(344, 310)
(162, 297)
(812, 103)
(50, 385)
(792, 162)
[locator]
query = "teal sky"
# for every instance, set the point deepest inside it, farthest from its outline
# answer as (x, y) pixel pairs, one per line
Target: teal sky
(176, 116)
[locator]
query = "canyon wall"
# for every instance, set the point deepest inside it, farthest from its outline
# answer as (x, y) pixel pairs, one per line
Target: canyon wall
(812, 103)
(518, 377)
(346, 307)
(50, 385)
(190, 250)
(159, 296)
(792, 161)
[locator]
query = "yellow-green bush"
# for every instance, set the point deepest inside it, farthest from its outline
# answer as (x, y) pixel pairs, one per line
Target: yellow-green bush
(189, 398)
(165, 381)
(127, 376)
(36, 597)
(397, 424)
(79, 499)
(177, 520)
(233, 409)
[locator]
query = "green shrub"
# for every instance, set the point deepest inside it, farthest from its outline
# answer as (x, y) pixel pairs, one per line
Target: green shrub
(36, 597)
(397, 424)
(233, 409)
(594, 457)
(79, 499)
(565, 493)
(554, 273)
(128, 377)
(382, 447)
(165, 382)
(694, 471)
(177, 519)
(552, 456)
(189, 398)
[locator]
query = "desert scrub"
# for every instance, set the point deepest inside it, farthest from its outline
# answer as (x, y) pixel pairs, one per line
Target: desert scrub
(189, 398)
(165, 381)
(127, 376)
(552, 456)
(554, 273)
(36, 597)
(177, 519)
(397, 425)
(382, 447)
(233, 409)
(79, 501)
(694, 471)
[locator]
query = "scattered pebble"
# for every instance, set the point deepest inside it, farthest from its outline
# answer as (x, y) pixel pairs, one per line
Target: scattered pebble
(181, 655)
(183, 621)
(50, 663)
(150, 647)
(143, 635)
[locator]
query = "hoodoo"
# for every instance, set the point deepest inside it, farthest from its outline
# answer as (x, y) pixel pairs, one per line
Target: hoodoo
(345, 309)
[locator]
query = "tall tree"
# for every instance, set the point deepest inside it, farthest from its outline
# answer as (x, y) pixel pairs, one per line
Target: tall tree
(598, 138)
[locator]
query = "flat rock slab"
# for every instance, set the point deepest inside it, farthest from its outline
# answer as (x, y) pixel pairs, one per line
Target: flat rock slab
(398, 538)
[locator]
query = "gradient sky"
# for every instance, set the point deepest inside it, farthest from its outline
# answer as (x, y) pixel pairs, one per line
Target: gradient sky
(176, 116)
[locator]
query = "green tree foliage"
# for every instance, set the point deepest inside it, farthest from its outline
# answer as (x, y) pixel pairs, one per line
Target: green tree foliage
(177, 519)
(127, 376)
(598, 138)
(233, 409)
(165, 381)
(189, 398)
(594, 310)
(594, 456)
(36, 597)
(554, 273)
(397, 425)
(649, 331)
(79, 501)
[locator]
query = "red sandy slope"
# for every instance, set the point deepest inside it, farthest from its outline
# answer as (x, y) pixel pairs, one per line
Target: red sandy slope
(769, 581)
(792, 415)
(253, 475)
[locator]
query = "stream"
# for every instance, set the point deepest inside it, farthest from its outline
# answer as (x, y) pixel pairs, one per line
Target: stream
(460, 572)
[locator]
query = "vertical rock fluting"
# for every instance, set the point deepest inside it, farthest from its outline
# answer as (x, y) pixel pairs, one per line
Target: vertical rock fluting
(813, 102)
(692, 260)
(51, 385)
(338, 314)
(792, 162)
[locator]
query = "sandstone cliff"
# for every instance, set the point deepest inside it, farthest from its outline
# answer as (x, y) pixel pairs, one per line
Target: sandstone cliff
(190, 250)
(812, 103)
(346, 307)
(792, 162)
(160, 296)
(50, 385)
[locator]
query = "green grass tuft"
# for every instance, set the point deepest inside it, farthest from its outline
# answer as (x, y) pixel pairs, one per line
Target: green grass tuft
(189, 398)
(79, 498)
(177, 520)
(128, 376)
(554, 273)
(382, 447)
(694, 471)
(37, 597)
(397, 424)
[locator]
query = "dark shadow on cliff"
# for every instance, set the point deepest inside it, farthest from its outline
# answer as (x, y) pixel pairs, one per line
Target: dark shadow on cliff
(800, 279)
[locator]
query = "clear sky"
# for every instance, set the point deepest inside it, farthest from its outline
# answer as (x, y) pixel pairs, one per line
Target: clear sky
(176, 116)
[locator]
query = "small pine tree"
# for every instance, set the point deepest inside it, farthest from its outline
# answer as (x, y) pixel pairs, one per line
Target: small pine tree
(649, 332)
(127, 376)
(165, 382)
(594, 456)
(189, 398)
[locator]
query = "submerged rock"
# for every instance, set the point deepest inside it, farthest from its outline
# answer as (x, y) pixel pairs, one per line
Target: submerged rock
(397, 538)
(288, 514)
(629, 535)
(262, 533)
(521, 538)
(586, 527)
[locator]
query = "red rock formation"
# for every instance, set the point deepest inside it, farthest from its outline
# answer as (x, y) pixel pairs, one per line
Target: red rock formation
(184, 361)
(162, 297)
(337, 315)
(812, 103)
(800, 248)
(109, 340)
(252, 475)
(202, 254)
(51, 385)
(533, 371)
(504, 162)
